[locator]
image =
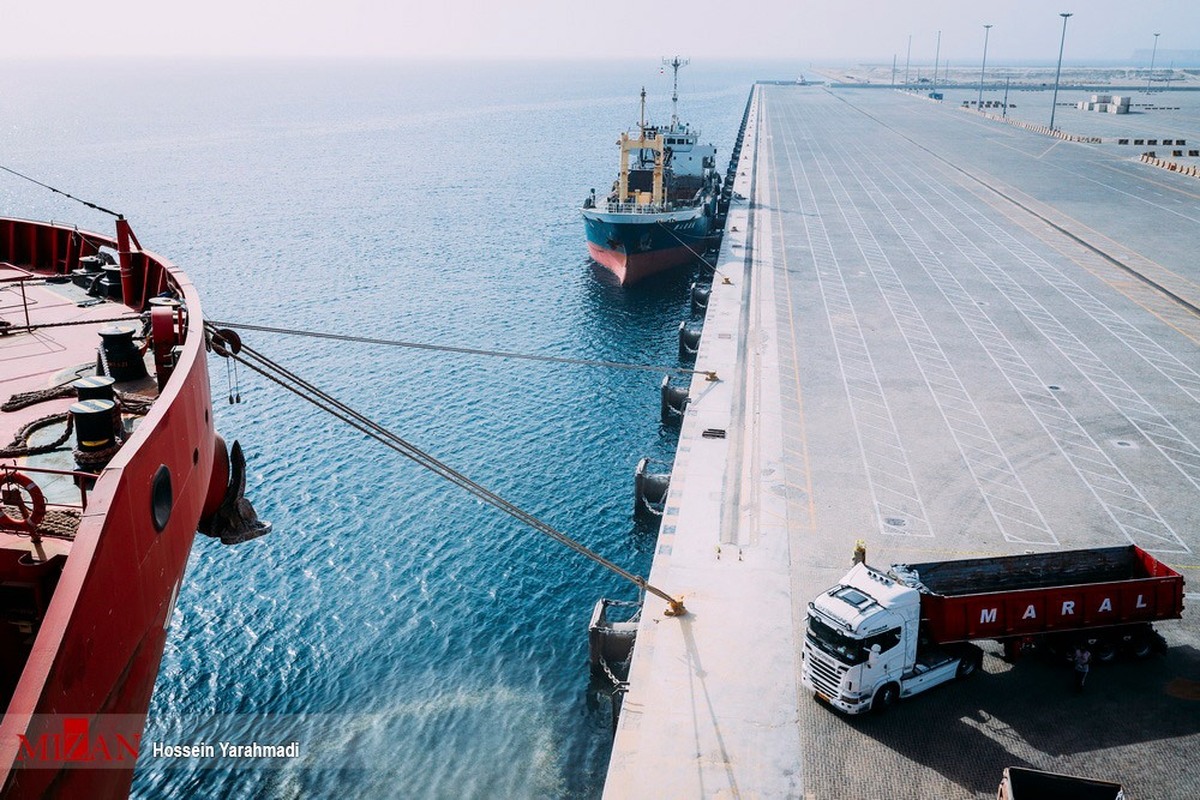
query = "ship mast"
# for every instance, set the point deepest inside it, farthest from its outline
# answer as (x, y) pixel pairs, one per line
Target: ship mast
(675, 63)
(642, 123)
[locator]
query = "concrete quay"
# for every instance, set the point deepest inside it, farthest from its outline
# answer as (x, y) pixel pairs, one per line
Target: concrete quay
(950, 337)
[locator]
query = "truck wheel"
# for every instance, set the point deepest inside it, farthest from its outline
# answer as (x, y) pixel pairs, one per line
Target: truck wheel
(968, 665)
(885, 698)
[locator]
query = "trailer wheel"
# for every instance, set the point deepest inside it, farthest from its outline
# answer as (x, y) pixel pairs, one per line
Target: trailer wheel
(1105, 650)
(1141, 646)
(885, 697)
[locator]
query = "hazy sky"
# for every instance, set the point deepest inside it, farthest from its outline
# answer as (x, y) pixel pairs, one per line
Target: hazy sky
(801, 29)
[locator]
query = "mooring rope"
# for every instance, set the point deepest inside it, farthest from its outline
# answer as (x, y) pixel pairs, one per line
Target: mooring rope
(701, 258)
(72, 323)
(475, 351)
(278, 374)
(20, 446)
(59, 191)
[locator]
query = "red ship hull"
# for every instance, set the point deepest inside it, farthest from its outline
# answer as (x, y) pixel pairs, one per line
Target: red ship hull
(631, 268)
(100, 638)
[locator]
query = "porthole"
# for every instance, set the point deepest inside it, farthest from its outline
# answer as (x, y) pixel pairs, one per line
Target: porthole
(161, 499)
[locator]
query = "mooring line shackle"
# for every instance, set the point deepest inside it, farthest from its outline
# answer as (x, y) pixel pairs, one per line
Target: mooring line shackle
(675, 607)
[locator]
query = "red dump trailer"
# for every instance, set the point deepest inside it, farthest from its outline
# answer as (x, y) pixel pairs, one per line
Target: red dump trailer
(1026, 595)
(880, 636)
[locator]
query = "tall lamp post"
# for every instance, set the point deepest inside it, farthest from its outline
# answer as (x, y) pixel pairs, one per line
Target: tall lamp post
(987, 29)
(937, 54)
(907, 56)
(1058, 72)
(1153, 53)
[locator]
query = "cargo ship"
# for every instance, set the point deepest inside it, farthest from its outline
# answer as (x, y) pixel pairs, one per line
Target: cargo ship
(661, 211)
(110, 464)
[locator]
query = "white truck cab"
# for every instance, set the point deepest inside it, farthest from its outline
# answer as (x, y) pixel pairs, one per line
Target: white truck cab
(861, 647)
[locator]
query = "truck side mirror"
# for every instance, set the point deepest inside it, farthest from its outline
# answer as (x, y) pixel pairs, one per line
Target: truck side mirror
(873, 655)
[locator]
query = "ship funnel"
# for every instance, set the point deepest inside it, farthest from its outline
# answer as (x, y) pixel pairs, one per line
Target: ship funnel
(234, 520)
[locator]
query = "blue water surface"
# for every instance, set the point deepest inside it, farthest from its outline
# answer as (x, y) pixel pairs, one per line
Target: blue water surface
(441, 643)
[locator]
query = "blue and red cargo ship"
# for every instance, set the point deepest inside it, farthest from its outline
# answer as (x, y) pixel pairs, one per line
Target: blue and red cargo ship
(661, 211)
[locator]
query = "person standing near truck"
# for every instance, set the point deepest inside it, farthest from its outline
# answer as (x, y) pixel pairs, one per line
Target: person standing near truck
(1083, 659)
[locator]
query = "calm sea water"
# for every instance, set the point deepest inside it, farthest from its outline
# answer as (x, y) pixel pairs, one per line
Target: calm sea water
(440, 643)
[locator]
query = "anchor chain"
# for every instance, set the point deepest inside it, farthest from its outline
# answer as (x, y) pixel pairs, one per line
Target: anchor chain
(619, 686)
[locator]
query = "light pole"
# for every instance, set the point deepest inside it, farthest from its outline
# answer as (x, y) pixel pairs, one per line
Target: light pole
(906, 58)
(1058, 72)
(937, 54)
(893, 70)
(1153, 53)
(987, 29)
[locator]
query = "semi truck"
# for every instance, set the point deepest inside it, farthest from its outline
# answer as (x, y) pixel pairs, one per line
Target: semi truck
(877, 637)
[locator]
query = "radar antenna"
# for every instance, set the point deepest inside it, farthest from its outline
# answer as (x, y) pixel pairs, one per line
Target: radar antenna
(675, 63)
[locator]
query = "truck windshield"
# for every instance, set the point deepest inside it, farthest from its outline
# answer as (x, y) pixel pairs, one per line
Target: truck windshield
(844, 648)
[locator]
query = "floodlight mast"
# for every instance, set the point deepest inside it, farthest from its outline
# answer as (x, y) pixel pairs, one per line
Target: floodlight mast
(987, 29)
(1058, 72)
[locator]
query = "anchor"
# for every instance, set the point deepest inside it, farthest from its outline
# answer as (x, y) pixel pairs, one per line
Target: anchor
(235, 520)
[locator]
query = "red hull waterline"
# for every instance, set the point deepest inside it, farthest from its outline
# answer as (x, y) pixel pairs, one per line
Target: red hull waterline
(629, 269)
(101, 627)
